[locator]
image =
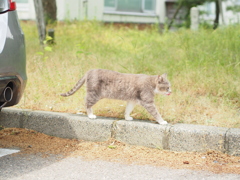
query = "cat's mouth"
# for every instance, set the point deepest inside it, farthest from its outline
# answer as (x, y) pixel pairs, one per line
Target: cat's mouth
(168, 94)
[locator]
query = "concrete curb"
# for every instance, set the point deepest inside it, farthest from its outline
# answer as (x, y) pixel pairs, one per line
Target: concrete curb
(178, 137)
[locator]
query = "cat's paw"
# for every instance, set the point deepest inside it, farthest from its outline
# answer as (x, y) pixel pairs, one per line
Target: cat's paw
(92, 116)
(163, 122)
(128, 118)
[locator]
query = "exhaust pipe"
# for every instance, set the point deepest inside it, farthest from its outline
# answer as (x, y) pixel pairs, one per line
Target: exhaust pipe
(6, 96)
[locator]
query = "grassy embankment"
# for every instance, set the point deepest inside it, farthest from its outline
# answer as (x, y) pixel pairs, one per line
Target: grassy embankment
(203, 67)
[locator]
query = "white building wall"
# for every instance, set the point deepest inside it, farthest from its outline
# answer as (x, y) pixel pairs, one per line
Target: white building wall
(94, 10)
(26, 11)
(66, 10)
(70, 9)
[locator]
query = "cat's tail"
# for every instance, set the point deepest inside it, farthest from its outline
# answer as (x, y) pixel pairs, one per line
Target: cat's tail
(75, 88)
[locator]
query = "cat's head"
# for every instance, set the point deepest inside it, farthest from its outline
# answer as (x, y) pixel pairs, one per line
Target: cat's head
(163, 86)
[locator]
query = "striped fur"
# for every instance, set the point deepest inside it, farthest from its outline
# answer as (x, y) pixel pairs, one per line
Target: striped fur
(133, 88)
(75, 88)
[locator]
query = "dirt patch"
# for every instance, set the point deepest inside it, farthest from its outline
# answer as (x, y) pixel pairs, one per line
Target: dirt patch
(32, 142)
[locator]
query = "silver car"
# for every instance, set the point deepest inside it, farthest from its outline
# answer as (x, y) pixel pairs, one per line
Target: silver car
(13, 76)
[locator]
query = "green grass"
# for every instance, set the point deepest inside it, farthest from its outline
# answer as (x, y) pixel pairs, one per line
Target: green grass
(203, 67)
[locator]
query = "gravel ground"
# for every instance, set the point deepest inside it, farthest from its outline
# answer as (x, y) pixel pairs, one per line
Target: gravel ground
(47, 157)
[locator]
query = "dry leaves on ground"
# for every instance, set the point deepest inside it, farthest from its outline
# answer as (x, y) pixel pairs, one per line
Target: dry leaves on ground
(32, 142)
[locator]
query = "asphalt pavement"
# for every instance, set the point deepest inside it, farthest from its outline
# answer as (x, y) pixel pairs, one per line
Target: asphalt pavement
(34, 167)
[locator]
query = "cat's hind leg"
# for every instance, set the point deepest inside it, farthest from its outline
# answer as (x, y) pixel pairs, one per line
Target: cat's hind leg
(129, 108)
(90, 113)
(90, 101)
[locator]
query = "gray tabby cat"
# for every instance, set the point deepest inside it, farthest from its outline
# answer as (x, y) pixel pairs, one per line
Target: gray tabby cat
(133, 88)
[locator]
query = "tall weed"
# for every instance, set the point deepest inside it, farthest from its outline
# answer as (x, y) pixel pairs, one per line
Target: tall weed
(203, 67)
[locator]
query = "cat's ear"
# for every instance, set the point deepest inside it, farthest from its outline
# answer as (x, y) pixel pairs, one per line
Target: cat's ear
(164, 75)
(159, 79)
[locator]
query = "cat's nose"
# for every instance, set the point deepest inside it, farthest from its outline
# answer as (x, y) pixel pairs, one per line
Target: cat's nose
(169, 92)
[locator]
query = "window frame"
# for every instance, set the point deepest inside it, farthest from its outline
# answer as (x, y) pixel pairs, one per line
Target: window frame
(113, 10)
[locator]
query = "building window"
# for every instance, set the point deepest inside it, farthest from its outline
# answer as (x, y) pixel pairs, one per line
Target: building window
(21, 1)
(130, 6)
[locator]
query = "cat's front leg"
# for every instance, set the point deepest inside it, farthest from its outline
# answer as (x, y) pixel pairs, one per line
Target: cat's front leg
(151, 108)
(92, 116)
(129, 108)
(162, 122)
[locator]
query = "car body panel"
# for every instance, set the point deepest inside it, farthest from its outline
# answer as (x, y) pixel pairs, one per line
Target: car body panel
(12, 56)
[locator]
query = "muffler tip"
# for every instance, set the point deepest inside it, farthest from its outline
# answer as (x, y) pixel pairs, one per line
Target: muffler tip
(7, 94)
